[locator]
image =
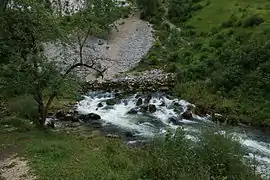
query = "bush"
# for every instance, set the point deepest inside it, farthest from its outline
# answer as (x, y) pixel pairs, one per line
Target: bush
(252, 21)
(20, 124)
(173, 57)
(196, 7)
(214, 156)
(24, 107)
(171, 68)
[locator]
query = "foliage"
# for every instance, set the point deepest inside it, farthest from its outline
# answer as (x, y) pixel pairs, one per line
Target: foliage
(181, 10)
(253, 20)
(215, 156)
(222, 58)
(23, 106)
(25, 27)
(148, 8)
(52, 155)
(20, 125)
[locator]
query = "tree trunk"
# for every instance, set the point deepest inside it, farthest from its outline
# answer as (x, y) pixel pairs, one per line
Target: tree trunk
(42, 118)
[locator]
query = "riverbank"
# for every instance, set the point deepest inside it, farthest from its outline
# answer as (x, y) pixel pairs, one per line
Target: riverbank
(52, 155)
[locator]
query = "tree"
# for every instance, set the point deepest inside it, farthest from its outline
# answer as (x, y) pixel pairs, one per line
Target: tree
(25, 27)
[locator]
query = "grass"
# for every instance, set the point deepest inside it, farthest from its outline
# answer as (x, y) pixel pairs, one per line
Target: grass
(58, 155)
(62, 156)
(219, 11)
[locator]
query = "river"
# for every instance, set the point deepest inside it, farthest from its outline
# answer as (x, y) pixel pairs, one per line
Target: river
(146, 125)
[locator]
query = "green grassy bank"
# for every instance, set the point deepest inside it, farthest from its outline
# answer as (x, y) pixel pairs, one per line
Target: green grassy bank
(220, 51)
(59, 155)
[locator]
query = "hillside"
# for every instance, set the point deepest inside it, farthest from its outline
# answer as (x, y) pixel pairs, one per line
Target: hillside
(220, 49)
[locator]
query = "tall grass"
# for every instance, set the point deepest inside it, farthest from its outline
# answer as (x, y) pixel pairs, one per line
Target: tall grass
(214, 156)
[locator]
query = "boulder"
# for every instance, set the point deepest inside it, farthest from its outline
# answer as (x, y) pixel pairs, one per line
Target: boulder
(143, 109)
(111, 102)
(187, 115)
(152, 108)
(100, 105)
(49, 123)
(68, 117)
(89, 117)
(218, 118)
(60, 114)
(138, 95)
(139, 102)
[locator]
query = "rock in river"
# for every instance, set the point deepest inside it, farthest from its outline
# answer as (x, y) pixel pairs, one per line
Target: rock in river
(152, 108)
(139, 102)
(187, 115)
(89, 117)
(111, 102)
(100, 105)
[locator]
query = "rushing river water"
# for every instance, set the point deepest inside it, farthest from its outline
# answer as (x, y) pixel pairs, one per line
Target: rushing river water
(146, 124)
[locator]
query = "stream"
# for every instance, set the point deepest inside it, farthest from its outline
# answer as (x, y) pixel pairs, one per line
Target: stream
(126, 116)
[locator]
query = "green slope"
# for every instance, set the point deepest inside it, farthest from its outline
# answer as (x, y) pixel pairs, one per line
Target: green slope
(221, 55)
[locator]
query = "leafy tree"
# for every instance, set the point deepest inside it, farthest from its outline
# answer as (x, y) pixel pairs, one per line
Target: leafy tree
(149, 7)
(25, 27)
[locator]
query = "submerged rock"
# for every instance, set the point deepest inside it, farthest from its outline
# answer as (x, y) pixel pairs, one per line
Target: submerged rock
(132, 111)
(152, 108)
(129, 134)
(111, 102)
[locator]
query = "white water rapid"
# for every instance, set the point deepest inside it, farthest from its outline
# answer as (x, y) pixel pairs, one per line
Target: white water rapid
(166, 117)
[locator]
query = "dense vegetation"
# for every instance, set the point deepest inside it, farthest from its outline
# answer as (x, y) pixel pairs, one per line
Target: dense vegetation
(220, 50)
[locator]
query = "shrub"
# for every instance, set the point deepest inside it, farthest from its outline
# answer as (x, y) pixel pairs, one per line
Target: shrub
(171, 68)
(196, 7)
(24, 107)
(252, 21)
(173, 57)
(20, 124)
(214, 156)
(153, 60)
